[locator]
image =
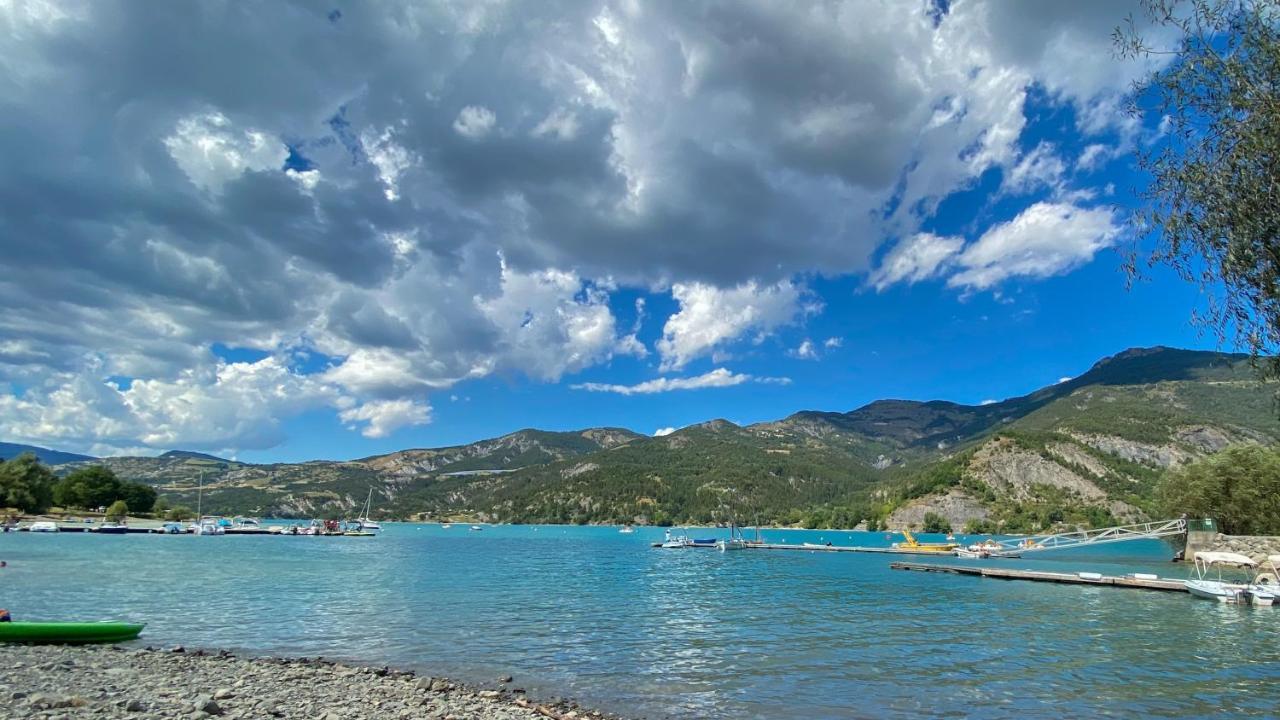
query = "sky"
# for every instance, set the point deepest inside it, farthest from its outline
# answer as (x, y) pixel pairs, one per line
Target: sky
(282, 231)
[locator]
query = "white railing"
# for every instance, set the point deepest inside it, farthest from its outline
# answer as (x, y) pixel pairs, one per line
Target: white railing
(1101, 536)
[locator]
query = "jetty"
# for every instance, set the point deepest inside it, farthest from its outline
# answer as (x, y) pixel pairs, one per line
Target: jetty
(1137, 581)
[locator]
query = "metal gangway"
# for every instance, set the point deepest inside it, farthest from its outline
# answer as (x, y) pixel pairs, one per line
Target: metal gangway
(1079, 538)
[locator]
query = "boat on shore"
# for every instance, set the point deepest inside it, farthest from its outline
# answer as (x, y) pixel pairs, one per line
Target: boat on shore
(68, 633)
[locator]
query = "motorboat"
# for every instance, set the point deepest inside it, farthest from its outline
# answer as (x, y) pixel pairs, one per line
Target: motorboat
(1265, 587)
(674, 542)
(112, 528)
(43, 526)
(982, 549)
(171, 528)
(208, 526)
(911, 544)
(731, 544)
(626, 530)
(1215, 588)
(476, 528)
(247, 523)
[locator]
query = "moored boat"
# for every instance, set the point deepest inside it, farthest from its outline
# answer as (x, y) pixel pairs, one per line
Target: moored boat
(1215, 588)
(626, 529)
(43, 526)
(112, 529)
(59, 633)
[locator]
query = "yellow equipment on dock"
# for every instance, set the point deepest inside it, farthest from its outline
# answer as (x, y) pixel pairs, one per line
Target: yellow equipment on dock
(911, 543)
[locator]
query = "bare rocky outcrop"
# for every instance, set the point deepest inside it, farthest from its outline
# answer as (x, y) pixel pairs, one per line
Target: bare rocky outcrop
(957, 506)
(1204, 438)
(1161, 456)
(1015, 471)
(1068, 452)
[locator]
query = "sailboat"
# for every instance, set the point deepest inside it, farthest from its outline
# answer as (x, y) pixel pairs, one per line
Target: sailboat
(363, 522)
(204, 525)
(735, 541)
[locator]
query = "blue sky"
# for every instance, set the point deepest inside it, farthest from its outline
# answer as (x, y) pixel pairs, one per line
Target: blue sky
(423, 224)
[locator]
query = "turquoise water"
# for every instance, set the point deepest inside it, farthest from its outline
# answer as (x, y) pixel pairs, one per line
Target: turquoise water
(598, 616)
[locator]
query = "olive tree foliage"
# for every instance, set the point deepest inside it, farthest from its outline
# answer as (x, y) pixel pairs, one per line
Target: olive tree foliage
(1239, 488)
(1212, 201)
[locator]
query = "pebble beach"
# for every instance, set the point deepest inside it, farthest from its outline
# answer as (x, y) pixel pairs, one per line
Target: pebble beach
(145, 684)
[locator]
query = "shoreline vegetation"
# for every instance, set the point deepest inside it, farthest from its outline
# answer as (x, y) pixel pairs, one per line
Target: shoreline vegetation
(145, 683)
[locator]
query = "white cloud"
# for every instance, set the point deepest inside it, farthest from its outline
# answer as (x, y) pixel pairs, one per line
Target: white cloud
(383, 417)
(720, 377)
(710, 317)
(920, 257)
(1064, 378)
(988, 402)
(212, 151)
(216, 407)
(663, 432)
(1093, 156)
(832, 342)
(474, 122)
(1039, 168)
(805, 351)
(1044, 240)
(391, 159)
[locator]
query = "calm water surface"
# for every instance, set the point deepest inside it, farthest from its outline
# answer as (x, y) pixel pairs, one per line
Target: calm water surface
(598, 616)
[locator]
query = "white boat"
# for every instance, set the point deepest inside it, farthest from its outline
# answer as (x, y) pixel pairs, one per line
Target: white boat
(1215, 588)
(446, 526)
(1265, 587)
(626, 530)
(731, 544)
(43, 526)
(674, 542)
(363, 522)
(476, 528)
(208, 526)
(248, 523)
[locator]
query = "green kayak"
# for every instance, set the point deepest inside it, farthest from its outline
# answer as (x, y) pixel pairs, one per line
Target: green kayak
(63, 633)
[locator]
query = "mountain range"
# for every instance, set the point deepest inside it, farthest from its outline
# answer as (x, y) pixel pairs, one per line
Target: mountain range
(1086, 450)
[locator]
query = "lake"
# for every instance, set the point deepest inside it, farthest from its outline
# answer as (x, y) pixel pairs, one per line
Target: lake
(598, 616)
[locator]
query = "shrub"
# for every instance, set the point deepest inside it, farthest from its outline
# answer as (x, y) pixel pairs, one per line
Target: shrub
(118, 510)
(935, 523)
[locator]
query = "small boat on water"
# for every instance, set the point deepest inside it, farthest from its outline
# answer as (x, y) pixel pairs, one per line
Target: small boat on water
(247, 523)
(476, 528)
(43, 526)
(363, 522)
(983, 549)
(171, 528)
(673, 542)
(68, 633)
(735, 541)
(112, 529)
(910, 543)
(446, 526)
(1215, 588)
(626, 530)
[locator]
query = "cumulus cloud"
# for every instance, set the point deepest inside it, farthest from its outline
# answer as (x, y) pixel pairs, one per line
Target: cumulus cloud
(720, 377)
(917, 258)
(805, 350)
(1044, 240)
(832, 343)
(663, 432)
(382, 417)
(475, 122)
(455, 194)
(710, 317)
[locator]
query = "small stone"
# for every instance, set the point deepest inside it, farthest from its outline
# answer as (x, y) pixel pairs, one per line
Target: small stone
(208, 705)
(178, 649)
(438, 685)
(505, 679)
(17, 695)
(488, 693)
(425, 683)
(223, 694)
(135, 706)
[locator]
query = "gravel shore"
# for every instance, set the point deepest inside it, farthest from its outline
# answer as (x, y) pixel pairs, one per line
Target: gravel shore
(119, 682)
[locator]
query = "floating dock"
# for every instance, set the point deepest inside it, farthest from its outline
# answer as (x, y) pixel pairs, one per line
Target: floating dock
(1127, 581)
(813, 547)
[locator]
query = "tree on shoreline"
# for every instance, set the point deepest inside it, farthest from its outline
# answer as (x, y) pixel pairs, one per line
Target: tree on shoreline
(1239, 488)
(1212, 205)
(25, 484)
